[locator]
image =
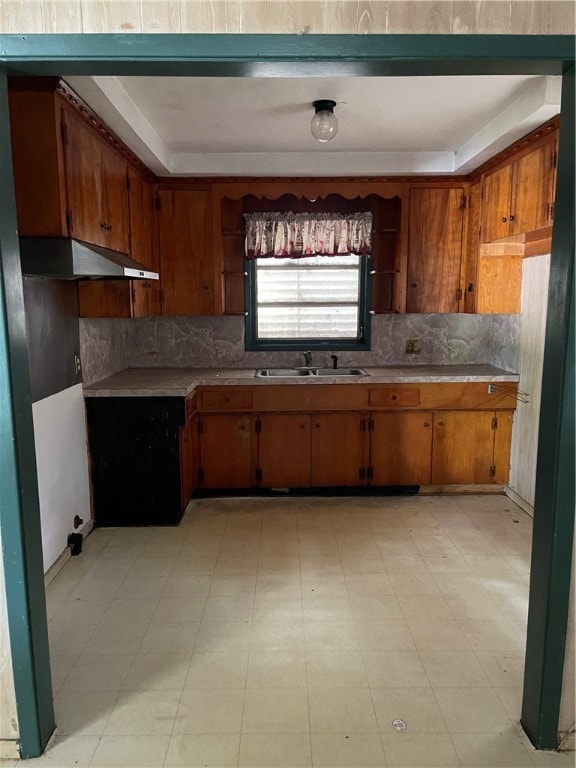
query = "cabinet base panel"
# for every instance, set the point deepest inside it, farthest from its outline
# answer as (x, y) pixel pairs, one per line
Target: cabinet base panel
(339, 490)
(495, 488)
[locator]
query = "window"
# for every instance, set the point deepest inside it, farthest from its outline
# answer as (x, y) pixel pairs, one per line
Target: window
(308, 303)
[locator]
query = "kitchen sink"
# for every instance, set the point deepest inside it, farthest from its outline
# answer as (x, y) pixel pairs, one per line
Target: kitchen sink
(340, 372)
(284, 372)
(293, 372)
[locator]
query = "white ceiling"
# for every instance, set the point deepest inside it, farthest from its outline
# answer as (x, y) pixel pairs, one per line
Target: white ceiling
(261, 126)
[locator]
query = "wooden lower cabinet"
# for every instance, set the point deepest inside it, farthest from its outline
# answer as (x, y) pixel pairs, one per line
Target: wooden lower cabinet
(283, 450)
(471, 447)
(337, 444)
(401, 448)
(226, 451)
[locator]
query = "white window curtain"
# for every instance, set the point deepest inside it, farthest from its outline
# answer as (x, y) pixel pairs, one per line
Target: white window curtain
(301, 235)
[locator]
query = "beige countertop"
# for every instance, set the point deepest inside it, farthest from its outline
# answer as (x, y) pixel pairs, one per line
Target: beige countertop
(180, 382)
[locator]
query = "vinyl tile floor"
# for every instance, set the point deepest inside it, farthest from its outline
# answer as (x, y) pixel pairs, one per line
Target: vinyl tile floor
(282, 633)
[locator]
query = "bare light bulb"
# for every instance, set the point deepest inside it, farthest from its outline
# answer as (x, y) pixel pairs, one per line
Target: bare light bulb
(324, 124)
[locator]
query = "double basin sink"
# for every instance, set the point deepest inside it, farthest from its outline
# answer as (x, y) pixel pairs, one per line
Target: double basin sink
(273, 373)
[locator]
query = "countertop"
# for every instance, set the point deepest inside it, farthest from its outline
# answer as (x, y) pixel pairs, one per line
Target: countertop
(181, 382)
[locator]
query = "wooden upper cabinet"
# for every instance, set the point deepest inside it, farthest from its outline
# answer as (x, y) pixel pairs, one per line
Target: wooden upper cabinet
(496, 193)
(518, 197)
(96, 183)
(186, 255)
(38, 161)
(435, 250)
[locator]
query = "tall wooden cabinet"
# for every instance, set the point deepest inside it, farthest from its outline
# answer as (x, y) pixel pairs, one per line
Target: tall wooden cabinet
(186, 251)
(435, 250)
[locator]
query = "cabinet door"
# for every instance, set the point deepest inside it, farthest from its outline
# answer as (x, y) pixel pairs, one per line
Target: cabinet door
(337, 448)
(225, 451)
(531, 198)
(284, 450)
(463, 451)
(434, 250)
(496, 193)
(115, 212)
(401, 448)
(186, 258)
(84, 189)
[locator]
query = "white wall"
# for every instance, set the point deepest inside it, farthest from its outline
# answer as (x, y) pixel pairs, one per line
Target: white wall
(61, 456)
(535, 274)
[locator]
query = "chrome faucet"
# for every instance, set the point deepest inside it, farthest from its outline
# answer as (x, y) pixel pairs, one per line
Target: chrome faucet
(308, 359)
(334, 361)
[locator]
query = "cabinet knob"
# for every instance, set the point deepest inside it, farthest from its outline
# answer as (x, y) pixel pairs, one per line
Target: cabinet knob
(394, 397)
(440, 423)
(413, 285)
(504, 219)
(426, 423)
(512, 217)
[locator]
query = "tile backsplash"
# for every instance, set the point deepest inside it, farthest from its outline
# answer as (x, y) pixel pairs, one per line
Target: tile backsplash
(108, 346)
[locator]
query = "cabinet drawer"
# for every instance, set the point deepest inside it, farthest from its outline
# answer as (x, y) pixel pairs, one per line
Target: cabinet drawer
(225, 400)
(394, 396)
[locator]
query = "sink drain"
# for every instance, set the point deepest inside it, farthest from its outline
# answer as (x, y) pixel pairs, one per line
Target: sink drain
(399, 725)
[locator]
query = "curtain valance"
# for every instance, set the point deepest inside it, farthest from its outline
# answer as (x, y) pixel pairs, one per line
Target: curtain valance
(297, 235)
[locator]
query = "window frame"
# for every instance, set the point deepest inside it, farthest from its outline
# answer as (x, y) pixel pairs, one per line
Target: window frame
(254, 344)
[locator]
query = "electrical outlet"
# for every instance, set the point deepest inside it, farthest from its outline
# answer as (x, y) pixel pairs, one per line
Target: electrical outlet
(77, 365)
(412, 346)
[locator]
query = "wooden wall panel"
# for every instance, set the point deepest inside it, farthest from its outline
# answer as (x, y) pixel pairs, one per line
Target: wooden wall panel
(480, 18)
(315, 16)
(419, 17)
(18, 17)
(291, 17)
(219, 17)
(161, 16)
(117, 16)
(358, 17)
(61, 18)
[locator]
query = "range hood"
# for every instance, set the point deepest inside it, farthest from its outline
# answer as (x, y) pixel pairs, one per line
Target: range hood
(69, 259)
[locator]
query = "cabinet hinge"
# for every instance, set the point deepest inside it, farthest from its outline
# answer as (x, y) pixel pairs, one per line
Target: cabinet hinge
(200, 475)
(459, 294)
(133, 294)
(371, 425)
(258, 474)
(550, 211)
(369, 473)
(64, 133)
(362, 473)
(128, 183)
(69, 220)
(492, 471)
(495, 422)
(157, 204)
(463, 202)
(199, 427)
(554, 159)
(258, 426)
(362, 425)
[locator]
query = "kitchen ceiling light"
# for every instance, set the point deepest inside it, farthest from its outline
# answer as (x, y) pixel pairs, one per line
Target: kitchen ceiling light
(324, 125)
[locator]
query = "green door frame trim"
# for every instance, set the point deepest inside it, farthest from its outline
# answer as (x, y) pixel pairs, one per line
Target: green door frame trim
(19, 506)
(299, 56)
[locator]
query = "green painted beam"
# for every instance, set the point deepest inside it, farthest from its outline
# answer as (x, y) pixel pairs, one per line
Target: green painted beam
(285, 55)
(20, 513)
(554, 505)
